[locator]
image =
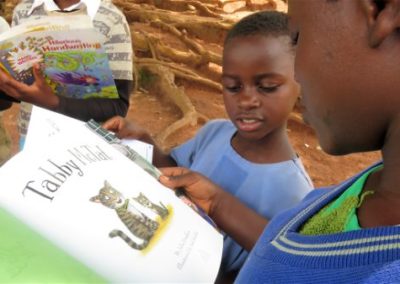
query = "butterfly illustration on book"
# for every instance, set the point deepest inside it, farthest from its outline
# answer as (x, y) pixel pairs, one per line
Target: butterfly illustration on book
(76, 79)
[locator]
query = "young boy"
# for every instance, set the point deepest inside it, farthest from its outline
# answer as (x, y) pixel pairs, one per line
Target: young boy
(253, 148)
(347, 62)
(107, 20)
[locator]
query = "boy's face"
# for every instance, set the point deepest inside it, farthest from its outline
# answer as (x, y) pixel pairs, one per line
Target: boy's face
(335, 68)
(259, 87)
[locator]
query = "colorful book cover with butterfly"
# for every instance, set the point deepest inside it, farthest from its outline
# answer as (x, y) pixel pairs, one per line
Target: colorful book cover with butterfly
(74, 61)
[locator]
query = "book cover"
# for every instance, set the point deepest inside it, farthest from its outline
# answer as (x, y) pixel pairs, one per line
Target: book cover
(105, 212)
(73, 59)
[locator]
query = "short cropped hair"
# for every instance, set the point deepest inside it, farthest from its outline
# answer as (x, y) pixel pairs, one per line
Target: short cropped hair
(266, 23)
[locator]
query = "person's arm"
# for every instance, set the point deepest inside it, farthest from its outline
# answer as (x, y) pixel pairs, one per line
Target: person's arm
(237, 220)
(40, 94)
(99, 109)
(129, 130)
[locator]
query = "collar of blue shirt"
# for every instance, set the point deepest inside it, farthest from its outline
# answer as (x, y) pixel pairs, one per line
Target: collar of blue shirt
(91, 5)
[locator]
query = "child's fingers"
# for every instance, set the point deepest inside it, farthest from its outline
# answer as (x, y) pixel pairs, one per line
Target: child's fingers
(113, 124)
(174, 171)
(179, 178)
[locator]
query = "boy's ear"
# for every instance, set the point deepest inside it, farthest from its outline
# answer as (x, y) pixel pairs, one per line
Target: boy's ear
(383, 19)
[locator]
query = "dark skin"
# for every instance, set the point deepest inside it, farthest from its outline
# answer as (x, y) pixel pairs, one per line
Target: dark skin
(367, 65)
(385, 182)
(62, 4)
(259, 94)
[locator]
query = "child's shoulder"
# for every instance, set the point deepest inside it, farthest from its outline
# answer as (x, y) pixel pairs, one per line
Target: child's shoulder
(108, 7)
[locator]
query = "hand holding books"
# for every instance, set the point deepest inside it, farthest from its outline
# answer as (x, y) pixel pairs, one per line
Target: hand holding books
(198, 188)
(125, 129)
(39, 93)
(72, 58)
(231, 216)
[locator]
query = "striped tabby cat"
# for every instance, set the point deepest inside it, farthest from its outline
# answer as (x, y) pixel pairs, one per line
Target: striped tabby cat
(140, 225)
(160, 210)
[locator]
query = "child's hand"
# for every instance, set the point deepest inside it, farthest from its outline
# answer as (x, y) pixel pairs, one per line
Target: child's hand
(199, 189)
(237, 220)
(125, 129)
(39, 93)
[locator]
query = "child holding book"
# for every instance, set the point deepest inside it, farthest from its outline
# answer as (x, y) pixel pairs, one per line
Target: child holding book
(253, 147)
(348, 63)
(108, 21)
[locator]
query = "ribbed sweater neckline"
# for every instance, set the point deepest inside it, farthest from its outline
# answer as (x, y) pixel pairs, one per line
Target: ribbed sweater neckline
(342, 250)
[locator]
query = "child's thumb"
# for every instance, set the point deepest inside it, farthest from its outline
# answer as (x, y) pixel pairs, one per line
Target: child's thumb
(38, 74)
(165, 180)
(172, 181)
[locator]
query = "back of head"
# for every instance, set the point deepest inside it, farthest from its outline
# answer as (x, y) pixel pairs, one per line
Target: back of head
(266, 23)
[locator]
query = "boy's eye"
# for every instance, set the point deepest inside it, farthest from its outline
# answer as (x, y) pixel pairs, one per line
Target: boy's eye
(233, 88)
(267, 89)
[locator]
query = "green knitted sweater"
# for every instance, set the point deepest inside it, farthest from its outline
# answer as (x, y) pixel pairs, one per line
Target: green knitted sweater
(341, 214)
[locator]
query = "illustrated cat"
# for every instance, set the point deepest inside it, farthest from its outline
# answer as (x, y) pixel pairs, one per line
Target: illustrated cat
(138, 223)
(160, 210)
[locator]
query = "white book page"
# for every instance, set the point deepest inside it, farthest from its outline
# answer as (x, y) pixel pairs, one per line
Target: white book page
(144, 149)
(41, 126)
(52, 195)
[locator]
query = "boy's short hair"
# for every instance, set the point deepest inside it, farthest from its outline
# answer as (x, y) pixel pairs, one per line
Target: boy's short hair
(266, 23)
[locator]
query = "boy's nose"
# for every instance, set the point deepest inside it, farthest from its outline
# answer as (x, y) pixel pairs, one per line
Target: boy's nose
(248, 98)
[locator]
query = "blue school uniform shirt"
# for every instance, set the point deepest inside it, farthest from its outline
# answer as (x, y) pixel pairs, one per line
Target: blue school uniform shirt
(266, 188)
(283, 255)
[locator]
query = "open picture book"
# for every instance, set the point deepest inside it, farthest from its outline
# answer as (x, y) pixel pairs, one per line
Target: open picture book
(75, 209)
(69, 51)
